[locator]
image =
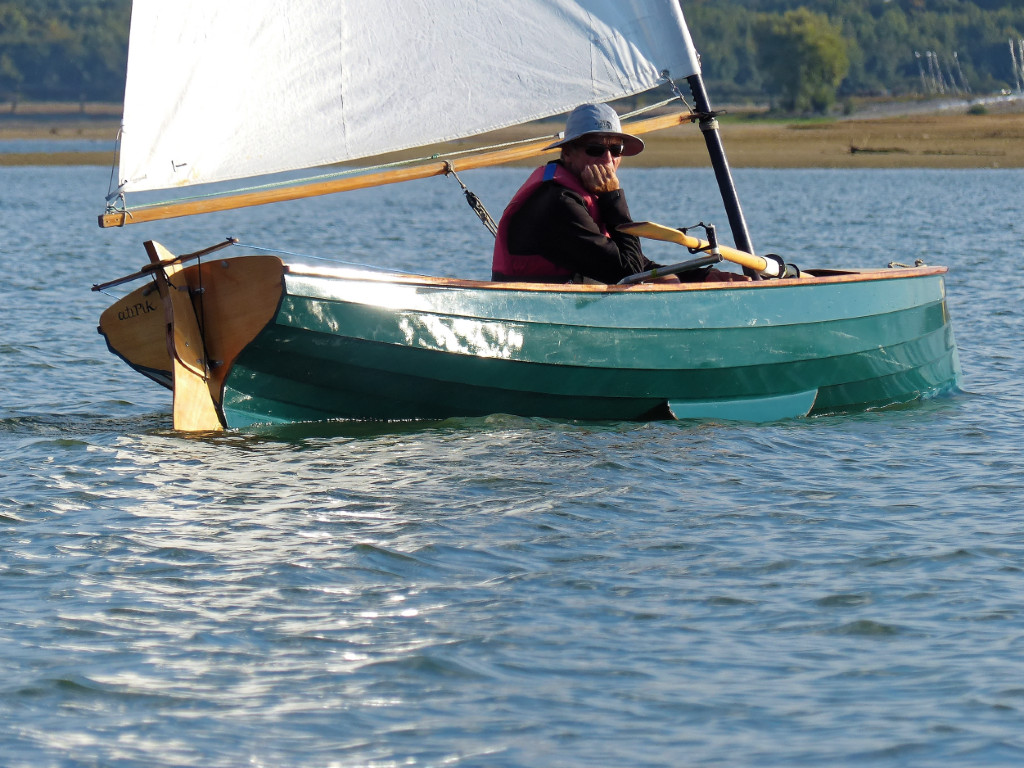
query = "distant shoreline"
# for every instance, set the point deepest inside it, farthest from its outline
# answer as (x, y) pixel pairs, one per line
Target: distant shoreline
(994, 140)
(951, 138)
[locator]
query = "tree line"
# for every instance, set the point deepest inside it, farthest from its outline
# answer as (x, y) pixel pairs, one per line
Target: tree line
(63, 49)
(803, 56)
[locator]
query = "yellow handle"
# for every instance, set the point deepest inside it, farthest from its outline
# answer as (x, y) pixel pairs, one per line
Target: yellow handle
(652, 231)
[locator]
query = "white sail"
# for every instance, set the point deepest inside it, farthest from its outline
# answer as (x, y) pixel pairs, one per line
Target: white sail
(228, 89)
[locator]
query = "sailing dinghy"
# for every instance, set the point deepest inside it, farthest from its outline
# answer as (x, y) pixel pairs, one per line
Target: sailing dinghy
(233, 90)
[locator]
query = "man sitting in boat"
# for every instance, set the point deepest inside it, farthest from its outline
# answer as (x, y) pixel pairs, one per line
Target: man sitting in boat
(561, 224)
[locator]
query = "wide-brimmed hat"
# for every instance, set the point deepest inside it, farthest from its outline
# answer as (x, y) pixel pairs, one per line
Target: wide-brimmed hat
(598, 119)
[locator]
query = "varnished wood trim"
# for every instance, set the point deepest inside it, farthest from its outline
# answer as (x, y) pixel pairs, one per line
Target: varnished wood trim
(807, 279)
(469, 162)
(194, 408)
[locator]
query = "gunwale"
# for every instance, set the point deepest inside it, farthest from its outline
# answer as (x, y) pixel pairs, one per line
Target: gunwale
(817, 277)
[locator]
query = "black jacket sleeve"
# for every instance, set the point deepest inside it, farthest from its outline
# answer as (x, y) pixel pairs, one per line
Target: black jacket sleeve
(555, 223)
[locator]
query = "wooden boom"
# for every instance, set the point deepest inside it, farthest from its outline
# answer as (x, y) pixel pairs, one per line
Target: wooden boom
(300, 191)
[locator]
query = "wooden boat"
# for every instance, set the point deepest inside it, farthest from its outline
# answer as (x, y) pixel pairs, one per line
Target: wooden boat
(249, 339)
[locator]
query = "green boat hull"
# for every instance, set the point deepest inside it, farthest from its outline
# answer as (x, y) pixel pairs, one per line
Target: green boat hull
(348, 345)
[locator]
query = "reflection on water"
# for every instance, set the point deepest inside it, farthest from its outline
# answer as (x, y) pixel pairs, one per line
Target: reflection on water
(506, 591)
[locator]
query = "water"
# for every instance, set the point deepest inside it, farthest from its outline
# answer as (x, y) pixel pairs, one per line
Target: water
(837, 591)
(21, 146)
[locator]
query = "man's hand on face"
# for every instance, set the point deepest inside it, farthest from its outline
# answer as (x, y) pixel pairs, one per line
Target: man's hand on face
(598, 178)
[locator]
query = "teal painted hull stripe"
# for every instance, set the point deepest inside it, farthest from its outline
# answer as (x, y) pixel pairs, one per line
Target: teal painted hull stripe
(328, 358)
(430, 388)
(639, 349)
(773, 303)
(756, 409)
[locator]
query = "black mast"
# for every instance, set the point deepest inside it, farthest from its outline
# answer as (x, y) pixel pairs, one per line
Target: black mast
(709, 127)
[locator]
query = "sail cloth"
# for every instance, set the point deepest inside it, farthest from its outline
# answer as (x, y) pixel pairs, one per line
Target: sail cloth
(229, 89)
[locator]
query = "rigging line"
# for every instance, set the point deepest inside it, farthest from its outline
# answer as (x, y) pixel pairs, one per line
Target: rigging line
(474, 201)
(675, 89)
(108, 294)
(652, 107)
(112, 191)
(202, 318)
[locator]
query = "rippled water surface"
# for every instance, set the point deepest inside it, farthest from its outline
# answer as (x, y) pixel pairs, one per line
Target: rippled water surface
(511, 592)
(19, 146)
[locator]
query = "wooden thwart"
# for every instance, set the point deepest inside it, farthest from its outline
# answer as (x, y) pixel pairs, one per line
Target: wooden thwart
(263, 197)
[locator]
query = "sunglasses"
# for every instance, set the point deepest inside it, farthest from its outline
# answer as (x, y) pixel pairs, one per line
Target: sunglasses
(598, 150)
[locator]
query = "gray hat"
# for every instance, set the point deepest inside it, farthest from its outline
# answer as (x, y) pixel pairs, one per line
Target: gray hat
(597, 119)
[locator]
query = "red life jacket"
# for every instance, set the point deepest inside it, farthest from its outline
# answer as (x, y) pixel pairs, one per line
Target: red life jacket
(533, 266)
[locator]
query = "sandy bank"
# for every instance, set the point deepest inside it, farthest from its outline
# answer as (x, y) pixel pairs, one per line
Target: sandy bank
(922, 141)
(940, 140)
